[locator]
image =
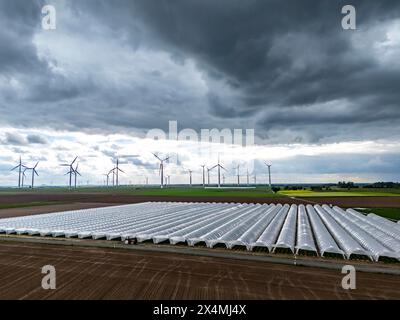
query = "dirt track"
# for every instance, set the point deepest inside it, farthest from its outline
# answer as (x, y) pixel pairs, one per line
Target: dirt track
(94, 273)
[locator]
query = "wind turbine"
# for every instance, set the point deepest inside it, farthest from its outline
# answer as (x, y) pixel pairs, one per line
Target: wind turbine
(238, 175)
(190, 175)
(33, 173)
(269, 174)
(168, 180)
(113, 176)
(24, 176)
(71, 171)
(76, 172)
(116, 171)
(223, 179)
(19, 167)
(108, 177)
(219, 172)
(208, 176)
(204, 177)
(161, 170)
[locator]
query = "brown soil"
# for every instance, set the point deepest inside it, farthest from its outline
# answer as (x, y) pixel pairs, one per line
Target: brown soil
(74, 201)
(97, 273)
(18, 212)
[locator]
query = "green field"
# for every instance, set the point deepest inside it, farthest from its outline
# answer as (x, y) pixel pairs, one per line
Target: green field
(391, 213)
(200, 192)
(143, 191)
(359, 192)
(259, 192)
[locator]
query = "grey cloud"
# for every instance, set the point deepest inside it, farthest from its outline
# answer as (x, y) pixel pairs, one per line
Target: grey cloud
(14, 139)
(36, 139)
(266, 64)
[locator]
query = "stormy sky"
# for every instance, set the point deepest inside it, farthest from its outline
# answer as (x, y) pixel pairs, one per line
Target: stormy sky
(323, 101)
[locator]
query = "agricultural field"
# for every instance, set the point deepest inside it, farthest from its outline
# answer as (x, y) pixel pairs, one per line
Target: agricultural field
(390, 213)
(357, 192)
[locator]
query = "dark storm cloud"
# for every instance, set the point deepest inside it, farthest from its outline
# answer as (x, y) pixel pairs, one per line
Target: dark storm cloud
(283, 55)
(267, 64)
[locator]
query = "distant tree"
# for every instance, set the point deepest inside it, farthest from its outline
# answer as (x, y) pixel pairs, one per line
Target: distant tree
(276, 189)
(345, 185)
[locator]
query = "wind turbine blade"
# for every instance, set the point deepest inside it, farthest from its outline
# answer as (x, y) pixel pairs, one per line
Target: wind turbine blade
(14, 168)
(74, 161)
(213, 167)
(157, 156)
(223, 168)
(36, 172)
(36, 165)
(121, 170)
(64, 165)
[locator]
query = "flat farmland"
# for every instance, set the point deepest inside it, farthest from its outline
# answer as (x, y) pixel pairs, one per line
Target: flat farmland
(102, 273)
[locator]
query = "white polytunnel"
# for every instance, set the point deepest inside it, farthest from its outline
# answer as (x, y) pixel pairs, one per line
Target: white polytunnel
(287, 236)
(321, 230)
(365, 239)
(254, 231)
(326, 243)
(240, 229)
(201, 227)
(212, 234)
(346, 242)
(305, 239)
(389, 238)
(382, 221)
(268, 238)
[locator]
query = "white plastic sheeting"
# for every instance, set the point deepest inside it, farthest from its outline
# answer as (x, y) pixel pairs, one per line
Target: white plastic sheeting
(254, 231)
(373, 218)
(343, 238)
(287, 236)
(268, 238)
(384, 234)
(375, 248)
(305, 239)
(318, 229)
(326, 243)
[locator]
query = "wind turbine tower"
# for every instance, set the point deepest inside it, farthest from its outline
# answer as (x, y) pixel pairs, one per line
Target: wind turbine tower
(33, 174)
(204, 177)
(71, 171)
(116, 171)
(219, 167)
(19, 167)
(76, 172)
(190, 177)
(269, 174)
(161, 170)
